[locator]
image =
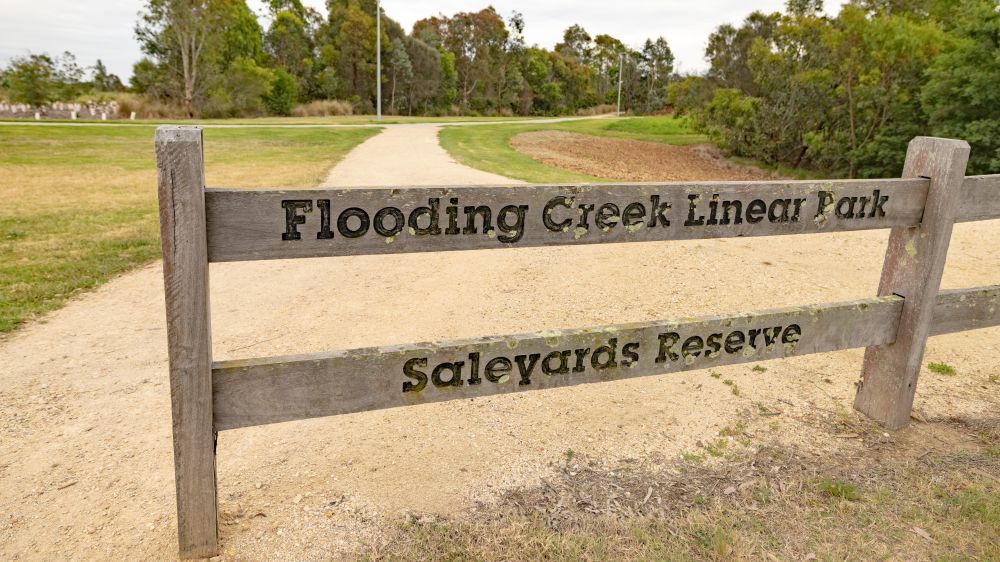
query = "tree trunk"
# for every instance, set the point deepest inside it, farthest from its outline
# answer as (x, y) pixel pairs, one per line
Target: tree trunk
(392, 95)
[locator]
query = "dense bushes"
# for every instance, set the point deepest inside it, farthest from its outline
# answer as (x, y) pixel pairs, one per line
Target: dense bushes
(845, 94)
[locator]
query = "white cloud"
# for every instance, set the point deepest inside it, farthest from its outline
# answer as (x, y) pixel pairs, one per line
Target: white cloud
(103, 30)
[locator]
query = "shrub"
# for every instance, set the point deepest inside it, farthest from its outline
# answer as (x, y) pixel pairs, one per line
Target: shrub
(283, 95)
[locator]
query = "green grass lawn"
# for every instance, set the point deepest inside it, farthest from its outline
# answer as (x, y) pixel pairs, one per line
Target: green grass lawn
(78, 204)
(488, 148)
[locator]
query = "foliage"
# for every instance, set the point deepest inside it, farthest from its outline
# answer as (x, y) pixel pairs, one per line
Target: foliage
(199, 54)
(941, 368)
(192, 46)
(962, 93)
(240, 91)
(37, 79)
(283, 95)
(845, 94)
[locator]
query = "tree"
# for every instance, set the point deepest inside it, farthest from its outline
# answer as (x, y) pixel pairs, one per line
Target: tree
(242, 90)
(729, 49)
(962, 93)
(239, 35)
(148, 78)
(31, 79)
(608, 52)
(577, 44)
(477, 41)
(400, 70)
(179, 29)
(658, 64)
(195, 43)
(878, 61)
(290, 44)
(348, 50)
(426, 76)
(104, 81)
(284, 93)
(37, 79)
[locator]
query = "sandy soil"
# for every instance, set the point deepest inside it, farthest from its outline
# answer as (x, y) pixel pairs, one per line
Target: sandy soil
(85, 453)
(630, 159)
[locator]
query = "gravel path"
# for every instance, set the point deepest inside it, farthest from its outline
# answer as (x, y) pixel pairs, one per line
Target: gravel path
(407, 155)
(85, 453)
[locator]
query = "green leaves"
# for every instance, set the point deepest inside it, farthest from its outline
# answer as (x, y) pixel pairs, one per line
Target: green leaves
(845, 94)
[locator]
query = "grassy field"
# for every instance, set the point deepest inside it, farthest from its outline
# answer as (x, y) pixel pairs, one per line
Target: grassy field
(79, 203)
(267, 121)
(488, 148)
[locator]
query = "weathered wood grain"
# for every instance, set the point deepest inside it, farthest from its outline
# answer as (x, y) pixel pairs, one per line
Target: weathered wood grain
(180, 168)
(980, 198)
(914, 262)
(966, 309)
(276, 389)
(253, 225)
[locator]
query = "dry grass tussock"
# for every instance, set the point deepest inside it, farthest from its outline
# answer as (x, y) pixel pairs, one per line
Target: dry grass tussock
(597, 110)
(764, 502)
(323, 108)
(147, 107)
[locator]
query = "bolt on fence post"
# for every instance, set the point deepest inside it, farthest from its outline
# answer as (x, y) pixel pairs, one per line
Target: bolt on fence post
(181, 173)
(914, 262)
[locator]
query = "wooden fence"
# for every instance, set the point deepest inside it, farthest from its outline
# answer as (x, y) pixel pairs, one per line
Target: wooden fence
(200, 225)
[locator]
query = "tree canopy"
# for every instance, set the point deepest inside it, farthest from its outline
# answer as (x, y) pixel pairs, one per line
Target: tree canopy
(214, 58)
(845, 94)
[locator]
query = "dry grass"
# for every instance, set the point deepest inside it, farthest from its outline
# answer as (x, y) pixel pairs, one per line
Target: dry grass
(79, 203)
(761, 502)
(146, 107)
(323, 108)
(602, 109)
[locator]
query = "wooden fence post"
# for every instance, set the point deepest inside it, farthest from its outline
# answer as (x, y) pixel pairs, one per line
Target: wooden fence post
(914, 262)
(181, 173)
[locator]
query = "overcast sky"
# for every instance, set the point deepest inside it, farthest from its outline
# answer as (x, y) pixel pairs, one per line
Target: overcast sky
(103, 29)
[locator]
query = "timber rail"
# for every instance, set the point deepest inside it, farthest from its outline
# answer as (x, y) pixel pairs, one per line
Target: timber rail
(200, 225)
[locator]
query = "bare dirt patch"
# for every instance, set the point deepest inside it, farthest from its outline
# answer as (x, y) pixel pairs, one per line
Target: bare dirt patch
(631, 160)
(929, 494)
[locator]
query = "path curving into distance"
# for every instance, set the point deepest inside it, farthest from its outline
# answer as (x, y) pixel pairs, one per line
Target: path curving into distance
(405, 155)
(85, 448)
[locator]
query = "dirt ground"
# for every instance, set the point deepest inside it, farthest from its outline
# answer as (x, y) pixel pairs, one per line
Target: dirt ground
(630, 160)
(406, 155)
(85, 450)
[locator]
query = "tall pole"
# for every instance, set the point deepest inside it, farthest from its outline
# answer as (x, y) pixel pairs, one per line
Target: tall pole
(378, 59)
(621, 59)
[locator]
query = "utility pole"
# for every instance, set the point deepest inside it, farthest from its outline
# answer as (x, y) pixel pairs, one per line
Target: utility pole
(378, 59)
(621, 60)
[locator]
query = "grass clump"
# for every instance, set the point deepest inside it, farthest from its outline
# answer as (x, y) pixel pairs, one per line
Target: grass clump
(839, 489)
(941, 369)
